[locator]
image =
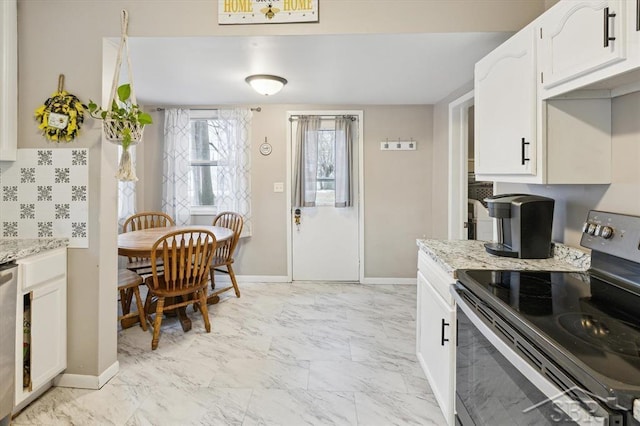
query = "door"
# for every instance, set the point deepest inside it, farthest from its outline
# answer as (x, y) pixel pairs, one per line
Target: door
(325, 238)
(48, 331)
(505, 113)
(434, 341)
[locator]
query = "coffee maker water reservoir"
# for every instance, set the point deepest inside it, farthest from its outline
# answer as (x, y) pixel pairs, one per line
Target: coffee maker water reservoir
(524, 224)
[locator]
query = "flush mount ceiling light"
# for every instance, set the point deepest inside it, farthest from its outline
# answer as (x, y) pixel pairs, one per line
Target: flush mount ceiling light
(266, 84)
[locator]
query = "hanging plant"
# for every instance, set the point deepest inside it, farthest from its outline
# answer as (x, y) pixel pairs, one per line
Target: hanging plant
(61, 115)
(124, 121)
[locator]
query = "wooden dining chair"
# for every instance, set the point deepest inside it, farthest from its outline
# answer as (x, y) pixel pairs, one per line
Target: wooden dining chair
(223, 257)
(186, 256)
(129, 287)
(144, 220)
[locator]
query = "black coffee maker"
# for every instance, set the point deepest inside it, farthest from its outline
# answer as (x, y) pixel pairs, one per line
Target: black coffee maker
(524, 225)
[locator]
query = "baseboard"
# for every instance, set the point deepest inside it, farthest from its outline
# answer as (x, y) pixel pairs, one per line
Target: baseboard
(83, 381)
(387, 281)
(224, 278)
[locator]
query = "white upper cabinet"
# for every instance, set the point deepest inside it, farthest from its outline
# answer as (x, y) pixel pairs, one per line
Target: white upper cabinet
(8, 80)
(579, 37)
(543, 98)
(587, 42)
(505, 108)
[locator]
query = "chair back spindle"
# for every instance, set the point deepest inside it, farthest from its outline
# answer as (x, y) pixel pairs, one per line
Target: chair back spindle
(146, 220)
(186, 256)
(231, 221)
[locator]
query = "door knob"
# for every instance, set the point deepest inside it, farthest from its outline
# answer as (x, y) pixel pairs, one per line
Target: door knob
(296, 217)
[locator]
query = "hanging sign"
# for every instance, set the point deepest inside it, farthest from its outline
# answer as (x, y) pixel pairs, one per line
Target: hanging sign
(267, 11)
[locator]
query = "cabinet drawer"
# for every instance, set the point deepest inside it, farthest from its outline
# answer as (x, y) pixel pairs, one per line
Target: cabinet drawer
(42, 268)
(436, 276)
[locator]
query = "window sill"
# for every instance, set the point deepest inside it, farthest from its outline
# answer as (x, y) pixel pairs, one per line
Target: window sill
(199, 211)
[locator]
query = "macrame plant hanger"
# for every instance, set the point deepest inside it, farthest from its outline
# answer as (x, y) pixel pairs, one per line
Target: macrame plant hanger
(113, 129)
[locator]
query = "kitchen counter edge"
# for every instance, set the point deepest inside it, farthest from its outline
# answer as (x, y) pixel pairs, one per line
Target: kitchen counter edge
(453, 255)
(17, 248)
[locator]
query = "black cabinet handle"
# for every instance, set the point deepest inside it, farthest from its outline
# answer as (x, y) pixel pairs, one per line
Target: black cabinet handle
(607, 15)
(523, 157)
(444, 324)
(637, 15)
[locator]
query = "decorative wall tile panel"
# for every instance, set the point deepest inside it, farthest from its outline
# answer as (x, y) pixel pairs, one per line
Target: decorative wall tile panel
(45, 193)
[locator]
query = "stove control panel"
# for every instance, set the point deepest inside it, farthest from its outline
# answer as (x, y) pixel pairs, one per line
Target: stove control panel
(612, 233)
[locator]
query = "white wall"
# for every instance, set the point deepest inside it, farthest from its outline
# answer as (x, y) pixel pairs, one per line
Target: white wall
(397, 188)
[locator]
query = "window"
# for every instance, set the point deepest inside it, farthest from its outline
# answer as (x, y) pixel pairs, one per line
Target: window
(206, 135)
(323, 161)
(326, 178)
(207, 163)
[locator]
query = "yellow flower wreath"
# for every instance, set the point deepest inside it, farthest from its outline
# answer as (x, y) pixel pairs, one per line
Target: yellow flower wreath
(60, 117)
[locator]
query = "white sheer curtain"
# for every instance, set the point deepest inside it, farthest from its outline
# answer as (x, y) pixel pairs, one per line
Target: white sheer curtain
(176, 166)
(234, 166)
(344, 161)
(126, 193)
(306, 162)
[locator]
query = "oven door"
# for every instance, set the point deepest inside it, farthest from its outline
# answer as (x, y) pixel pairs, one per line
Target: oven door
(497, 385)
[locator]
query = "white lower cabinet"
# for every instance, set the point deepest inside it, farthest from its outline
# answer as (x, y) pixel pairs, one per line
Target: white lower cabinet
(41, 323)
(435, 334)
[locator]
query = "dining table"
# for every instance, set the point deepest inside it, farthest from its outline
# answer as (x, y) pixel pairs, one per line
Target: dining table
(139, 244)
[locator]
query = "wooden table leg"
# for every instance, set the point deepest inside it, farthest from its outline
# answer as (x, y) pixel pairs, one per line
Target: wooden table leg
(129, 322)
(185, 321)
(212, 300)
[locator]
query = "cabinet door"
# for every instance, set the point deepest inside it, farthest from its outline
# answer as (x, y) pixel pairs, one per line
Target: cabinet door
(48, 331)
(579, 37)
(435, 345)
(505, 108)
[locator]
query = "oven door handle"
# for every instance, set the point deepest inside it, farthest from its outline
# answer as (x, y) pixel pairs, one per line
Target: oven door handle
(551, 391)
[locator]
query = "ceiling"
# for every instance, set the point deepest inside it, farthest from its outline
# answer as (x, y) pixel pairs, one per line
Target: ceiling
(371, 69)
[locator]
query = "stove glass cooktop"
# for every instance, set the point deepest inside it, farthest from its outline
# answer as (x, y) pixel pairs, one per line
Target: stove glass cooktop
(592, 323)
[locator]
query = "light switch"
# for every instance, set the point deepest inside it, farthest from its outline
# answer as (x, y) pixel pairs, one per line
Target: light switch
(278, 187)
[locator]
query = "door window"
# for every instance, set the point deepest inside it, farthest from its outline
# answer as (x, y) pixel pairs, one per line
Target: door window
(326, 177)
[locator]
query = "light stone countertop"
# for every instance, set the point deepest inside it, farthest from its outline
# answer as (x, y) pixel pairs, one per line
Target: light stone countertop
(452, 255)
(16, 248)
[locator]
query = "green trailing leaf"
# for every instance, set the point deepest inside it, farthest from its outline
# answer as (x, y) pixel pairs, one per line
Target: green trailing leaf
(144, 118)
(126, 138)
(124, 92)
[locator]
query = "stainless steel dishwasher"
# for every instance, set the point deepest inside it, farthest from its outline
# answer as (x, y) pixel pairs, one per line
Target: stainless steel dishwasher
(8, 299)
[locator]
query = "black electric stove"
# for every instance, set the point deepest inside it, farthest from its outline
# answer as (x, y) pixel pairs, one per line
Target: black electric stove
(586, 323)
(590, 327)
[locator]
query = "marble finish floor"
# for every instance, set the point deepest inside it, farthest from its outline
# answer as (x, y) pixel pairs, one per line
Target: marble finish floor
(282, 354)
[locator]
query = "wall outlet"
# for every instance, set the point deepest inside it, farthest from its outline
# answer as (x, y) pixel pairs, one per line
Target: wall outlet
(278, 187)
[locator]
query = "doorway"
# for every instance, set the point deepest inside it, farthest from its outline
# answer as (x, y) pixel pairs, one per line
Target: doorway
(325, 234)
(468, 214)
